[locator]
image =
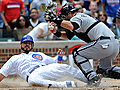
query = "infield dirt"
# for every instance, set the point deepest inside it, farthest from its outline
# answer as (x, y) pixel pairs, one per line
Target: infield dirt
(20, 84)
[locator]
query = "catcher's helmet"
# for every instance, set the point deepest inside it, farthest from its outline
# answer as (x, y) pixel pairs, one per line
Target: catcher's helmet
(27, 38)
(68, 8)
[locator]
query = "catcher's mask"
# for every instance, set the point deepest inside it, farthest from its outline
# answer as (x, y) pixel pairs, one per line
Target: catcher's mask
(68, 8)
(27, 38)
(50, 12)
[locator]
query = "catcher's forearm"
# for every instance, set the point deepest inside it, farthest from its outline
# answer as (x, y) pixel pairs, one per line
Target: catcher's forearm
(67, 24)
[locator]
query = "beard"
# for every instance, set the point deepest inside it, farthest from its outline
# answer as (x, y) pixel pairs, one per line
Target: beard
(27, 50)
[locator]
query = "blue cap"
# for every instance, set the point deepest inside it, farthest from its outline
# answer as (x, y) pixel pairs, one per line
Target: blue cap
(27, 38)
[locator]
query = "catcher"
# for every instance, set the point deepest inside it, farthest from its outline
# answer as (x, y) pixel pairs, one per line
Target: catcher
(101, 42)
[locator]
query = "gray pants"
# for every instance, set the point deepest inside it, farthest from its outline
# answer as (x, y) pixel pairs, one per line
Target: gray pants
(105, 50)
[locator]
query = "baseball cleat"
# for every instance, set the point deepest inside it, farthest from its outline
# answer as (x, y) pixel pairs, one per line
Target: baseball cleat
(108, 73)
(71, 84)
(95, 82)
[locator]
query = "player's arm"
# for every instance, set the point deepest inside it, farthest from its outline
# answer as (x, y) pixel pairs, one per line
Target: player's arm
(69, 25)
(1, 77)
(65, 24)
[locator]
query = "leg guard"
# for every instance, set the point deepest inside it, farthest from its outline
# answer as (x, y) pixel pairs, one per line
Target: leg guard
(81, 64)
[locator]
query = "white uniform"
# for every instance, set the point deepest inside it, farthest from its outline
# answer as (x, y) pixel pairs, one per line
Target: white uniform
(46, 74)
(101, 44)
(44, 27)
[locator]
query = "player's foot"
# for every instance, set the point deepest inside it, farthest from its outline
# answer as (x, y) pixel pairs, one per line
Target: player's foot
(95, 82)
(71, 84)
(108, 73)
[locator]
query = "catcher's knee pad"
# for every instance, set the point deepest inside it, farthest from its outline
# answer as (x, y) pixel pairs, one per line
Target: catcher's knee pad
(75, 53)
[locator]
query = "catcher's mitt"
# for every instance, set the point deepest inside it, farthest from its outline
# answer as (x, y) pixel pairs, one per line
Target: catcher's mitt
(50, 12)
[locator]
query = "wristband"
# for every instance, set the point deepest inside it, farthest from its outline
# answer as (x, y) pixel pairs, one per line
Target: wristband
(59, 58)
(58, 34)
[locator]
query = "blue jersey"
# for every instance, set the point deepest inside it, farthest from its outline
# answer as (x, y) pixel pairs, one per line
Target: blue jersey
(111, 7)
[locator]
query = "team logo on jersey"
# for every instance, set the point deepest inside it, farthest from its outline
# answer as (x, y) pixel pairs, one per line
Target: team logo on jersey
(37, 56)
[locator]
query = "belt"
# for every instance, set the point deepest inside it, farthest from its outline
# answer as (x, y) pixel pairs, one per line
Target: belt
(103, 37)
(32, 71)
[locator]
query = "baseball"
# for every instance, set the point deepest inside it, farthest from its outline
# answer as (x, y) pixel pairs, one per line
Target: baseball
(51, 27)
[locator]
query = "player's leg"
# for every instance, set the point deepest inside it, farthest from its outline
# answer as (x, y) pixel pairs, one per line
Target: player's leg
(48, 74)
(105, 66)
(81, 57)
(39, 81)
(91, 50)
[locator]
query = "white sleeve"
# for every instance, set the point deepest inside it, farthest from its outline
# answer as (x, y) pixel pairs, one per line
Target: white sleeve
(8, 68)
(49, 60)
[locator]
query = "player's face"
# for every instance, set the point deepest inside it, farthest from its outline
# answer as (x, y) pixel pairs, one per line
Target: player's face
(27, 45)
(69, 15)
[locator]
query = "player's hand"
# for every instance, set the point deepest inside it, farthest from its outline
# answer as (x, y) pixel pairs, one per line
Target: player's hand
(61, 53)
(52, 27)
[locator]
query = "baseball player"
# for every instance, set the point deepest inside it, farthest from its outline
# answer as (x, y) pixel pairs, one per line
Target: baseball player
(101, 43)
(39, 69)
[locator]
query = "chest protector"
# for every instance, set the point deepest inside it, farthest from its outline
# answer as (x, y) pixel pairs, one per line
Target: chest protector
(84, 36)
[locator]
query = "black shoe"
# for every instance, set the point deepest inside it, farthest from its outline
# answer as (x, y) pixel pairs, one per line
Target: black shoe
(101, 71)
(108, 73)
(95, 82)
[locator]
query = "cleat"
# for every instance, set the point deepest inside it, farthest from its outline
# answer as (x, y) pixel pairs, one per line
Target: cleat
(101, 71)
(108, 73)
(71, 84)
(95, 82)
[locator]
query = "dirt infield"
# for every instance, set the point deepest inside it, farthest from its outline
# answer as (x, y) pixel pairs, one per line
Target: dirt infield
(20, 84)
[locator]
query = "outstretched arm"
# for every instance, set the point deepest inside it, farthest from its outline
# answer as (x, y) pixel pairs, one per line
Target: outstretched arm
(62, 35)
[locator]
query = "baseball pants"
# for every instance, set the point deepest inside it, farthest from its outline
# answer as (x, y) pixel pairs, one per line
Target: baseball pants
(105, 50)
(47, 75)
